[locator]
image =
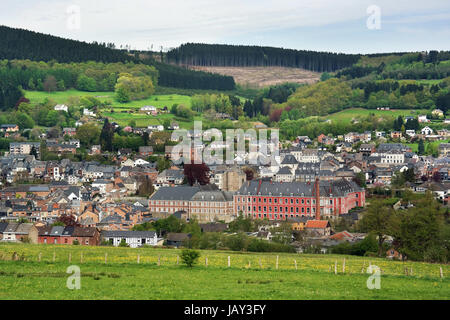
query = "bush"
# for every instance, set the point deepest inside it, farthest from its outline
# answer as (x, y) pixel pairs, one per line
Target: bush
(189, 257)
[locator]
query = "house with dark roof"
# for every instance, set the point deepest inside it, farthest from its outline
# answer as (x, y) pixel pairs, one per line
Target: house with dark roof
(133, 239)
(177, 239)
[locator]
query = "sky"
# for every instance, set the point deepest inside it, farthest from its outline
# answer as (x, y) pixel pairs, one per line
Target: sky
(348, 26)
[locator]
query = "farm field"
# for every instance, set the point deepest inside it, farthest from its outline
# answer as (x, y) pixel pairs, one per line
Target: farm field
(259, 77)
(123, 278)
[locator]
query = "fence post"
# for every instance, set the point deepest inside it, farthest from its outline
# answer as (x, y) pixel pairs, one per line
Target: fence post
(70, 257)
(406, 270)
(343, 267)
(178, 260)
(441, 273)
(335, 267)
(412, 273)
(277, 263)
(260, 263)
(138, 259)
(229, 262)
(206, 261)
(295, 262)
(106, 258)
(40, 256)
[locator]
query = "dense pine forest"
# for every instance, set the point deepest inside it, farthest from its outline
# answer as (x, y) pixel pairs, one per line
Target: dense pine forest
(250, 56)
(23, 44)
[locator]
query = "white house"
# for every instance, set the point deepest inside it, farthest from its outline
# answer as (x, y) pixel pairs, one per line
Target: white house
(61, 107)
(140, 162)
(156, 128)
(427, 131)
(151, 109)
(87, 112)
(410, 133)
(134, 239)
(423, 119)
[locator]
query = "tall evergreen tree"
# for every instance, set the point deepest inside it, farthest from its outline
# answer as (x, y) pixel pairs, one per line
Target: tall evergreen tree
(106, 136)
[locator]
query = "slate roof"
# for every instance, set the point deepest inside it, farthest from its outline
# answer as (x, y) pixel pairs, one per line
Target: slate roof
(175, 193)
(12, 227)
(284, 170)
(177, 237)
(289, 159)
(24, 228)
(337, 188)
(128, 234)
(213, 196)
(57, 231)
(84, 232)
(3, 226)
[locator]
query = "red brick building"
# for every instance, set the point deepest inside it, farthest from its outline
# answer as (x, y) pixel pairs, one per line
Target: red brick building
(281, 201)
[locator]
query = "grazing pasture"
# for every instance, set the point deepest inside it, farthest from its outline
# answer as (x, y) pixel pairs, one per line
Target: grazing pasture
(39, 272)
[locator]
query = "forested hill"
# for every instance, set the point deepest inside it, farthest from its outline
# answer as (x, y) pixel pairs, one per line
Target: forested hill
(23, 44)
(249, 56)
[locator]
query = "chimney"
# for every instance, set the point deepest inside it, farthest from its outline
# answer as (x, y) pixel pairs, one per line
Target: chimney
(317, 191)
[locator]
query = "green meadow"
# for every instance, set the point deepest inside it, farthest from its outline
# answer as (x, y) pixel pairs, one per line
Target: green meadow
(121, 111)
(114, 273)
(349, 114)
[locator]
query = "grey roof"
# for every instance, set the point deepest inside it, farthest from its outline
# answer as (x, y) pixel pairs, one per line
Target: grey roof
(213, 196)
(39, 189)
(3, 226)
(128, 234)
(336, 188)
(175, 193)
(289, 159)
(12, 227)
(57, 231)
(284, 170)
(24, 228)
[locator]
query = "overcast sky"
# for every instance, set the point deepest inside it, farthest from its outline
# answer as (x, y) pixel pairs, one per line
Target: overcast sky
(325, 25)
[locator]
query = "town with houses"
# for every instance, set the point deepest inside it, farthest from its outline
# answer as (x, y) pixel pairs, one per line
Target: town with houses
(315, 181)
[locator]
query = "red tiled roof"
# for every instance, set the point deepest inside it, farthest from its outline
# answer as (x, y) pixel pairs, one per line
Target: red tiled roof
(341, 235)
(317, 224)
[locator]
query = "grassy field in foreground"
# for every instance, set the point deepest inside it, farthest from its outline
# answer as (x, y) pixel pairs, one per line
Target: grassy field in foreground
(123, 278)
